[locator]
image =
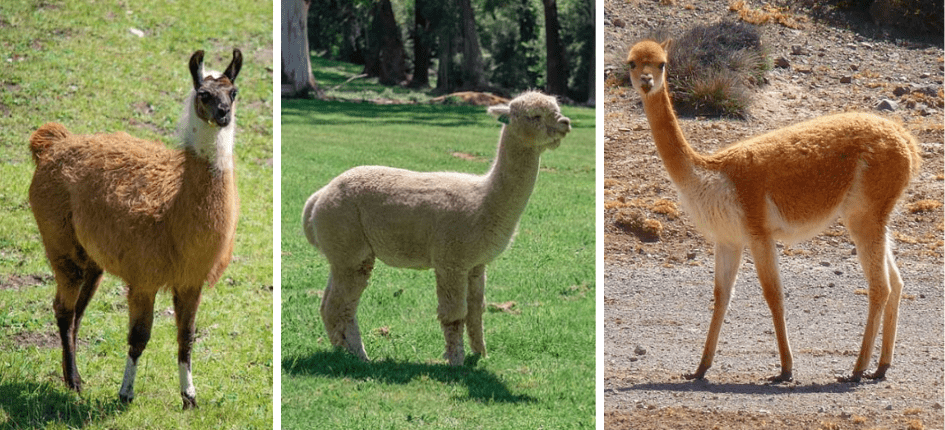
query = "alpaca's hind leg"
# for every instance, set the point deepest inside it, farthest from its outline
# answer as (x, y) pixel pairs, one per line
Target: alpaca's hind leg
(451, 290)
(141, 311)
(870, 239)
(186, 302)
(890, 316)
(727, 260)
(476, 303)
(340, 306)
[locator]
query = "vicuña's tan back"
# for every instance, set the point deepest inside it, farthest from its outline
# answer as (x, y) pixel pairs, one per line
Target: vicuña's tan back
(787, 184)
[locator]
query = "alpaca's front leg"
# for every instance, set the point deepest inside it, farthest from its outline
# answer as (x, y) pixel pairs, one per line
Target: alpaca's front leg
(141, 310)
(451, 288)
(476, 305)
(185, 313)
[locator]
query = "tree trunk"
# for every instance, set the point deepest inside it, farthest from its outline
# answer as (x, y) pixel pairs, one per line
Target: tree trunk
(385, 49)
(592, 74)
(556, 66)
(444, 22)
(473, 73)
(297, 79)
(422, 40)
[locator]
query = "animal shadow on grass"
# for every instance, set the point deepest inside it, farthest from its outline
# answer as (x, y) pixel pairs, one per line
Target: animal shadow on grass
(39, 405)
(482, 385)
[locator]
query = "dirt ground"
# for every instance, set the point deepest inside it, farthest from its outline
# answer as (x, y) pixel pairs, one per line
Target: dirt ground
(658, 292)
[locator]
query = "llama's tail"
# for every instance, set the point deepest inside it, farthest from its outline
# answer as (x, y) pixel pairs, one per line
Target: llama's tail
(308, 219)
(45, 136)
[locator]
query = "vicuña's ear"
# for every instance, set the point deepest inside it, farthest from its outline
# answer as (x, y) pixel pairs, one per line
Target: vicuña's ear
(196, 68)
(235, 64)
(500, 112)
(667, 44)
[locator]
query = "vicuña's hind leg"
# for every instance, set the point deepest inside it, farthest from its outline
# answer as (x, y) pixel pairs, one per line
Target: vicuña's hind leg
(340, 306)
(890, 316)
(451, 290)
(476, 302)
(869, 235)
(727, 260)
(186, 302)
(141, 311)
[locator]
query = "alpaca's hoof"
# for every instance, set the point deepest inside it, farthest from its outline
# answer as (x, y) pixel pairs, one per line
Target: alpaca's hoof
(190, 402)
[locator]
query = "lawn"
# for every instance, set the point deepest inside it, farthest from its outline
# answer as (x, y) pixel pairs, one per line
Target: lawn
(111, 66)
(539, 371)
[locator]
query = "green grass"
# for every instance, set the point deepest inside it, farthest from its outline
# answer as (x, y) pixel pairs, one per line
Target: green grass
(334, 78)
(78, 63)
(540, 367)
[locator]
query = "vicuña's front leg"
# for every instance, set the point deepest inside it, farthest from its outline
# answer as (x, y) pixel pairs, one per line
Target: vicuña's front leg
(766, 263)
(477, 303)
(451, 289)
(727, 260)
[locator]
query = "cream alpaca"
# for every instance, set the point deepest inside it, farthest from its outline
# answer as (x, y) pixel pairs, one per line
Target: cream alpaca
(454, 223)
(787, 185)
(152, 216)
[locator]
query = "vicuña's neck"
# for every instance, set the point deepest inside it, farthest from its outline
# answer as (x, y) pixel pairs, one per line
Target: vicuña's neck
(511, 180)
(676, 153)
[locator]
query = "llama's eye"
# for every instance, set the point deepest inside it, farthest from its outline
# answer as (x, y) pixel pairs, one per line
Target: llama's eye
(233, 93)
(203, 95)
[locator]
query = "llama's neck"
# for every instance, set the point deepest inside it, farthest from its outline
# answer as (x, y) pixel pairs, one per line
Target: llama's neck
(209, 141)
(510, 181)
(678, 157)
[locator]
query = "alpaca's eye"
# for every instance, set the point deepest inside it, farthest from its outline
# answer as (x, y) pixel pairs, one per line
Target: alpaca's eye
(633, 65)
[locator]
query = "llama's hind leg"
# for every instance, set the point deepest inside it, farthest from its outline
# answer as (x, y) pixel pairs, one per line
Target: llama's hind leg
(476, 302)
(451, 290)
(186, 302)
(339, 306)
(890, 316)
(141, 311)
(71, 278)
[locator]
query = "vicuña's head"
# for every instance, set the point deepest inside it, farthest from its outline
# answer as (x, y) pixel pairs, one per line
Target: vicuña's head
(215, 93)
(535, 118)
(647, 61)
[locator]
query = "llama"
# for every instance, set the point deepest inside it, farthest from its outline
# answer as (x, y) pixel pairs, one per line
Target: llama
(152, 216)
(787, 185)
(454, 223)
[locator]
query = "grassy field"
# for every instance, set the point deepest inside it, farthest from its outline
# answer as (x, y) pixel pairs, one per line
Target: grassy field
(540, 367)
(82, 64)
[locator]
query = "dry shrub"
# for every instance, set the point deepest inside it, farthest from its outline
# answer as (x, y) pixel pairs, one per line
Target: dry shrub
(914, 424)
(765, 15)
(924, 206)
(665, 207)
(633, 221)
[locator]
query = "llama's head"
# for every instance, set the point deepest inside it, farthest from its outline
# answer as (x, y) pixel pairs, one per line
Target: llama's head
(535, 118)
(215, 93)
(647, 61)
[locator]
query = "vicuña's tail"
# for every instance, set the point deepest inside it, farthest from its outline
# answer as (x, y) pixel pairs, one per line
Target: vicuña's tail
(45, 136)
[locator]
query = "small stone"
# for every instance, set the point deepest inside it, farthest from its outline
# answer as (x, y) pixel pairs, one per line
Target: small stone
(837, 272)
(887, 104)
(846, 79)
(639, 350)
(900, 91)
(889, 407)
(937, 405)
(854, 67)
(925, 75)
(782, 63)
(619, 23)
(825, 263)
(799, 50)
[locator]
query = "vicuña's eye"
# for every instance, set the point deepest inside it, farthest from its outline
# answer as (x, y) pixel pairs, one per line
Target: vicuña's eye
(662, 65)
(633, 65)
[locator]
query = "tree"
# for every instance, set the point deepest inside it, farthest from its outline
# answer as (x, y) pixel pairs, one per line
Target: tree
(423, 38)
(473, 73)
(385, 50)
(556, 65)
(297, 78)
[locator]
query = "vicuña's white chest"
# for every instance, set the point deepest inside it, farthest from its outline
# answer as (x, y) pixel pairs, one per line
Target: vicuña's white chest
(712, 203)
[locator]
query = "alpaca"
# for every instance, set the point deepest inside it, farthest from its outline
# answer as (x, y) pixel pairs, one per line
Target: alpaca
(454, 223)
(150, 215)
(787, 185)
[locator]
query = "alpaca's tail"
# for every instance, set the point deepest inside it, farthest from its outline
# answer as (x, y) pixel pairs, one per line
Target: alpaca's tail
(45, 136)
(308, 219)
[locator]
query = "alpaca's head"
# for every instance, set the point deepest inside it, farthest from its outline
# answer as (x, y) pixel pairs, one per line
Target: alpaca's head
(535, 118)
(647, 61)
(215, 93)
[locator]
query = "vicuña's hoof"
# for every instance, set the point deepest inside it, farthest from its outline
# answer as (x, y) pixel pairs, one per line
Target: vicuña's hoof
(783, 377)
(855, 377)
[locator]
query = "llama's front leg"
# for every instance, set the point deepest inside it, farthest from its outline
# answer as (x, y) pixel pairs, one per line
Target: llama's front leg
(476, 302)
(340, 306)
(727, 260)
(451, 289)
(186, 303)
(141, 311)
(766, 263)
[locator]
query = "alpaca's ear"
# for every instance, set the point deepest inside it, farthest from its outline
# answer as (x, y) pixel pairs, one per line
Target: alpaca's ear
(500, 112)
(667, 44)
(196, 68)
(235, 64)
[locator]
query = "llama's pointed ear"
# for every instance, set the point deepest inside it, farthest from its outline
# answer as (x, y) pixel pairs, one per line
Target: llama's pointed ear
(235, 64)
(667, 44)
(500, 112)
(196, 68)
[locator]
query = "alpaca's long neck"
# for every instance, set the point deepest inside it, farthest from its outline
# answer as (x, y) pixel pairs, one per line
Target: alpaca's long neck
(676, 153)
(510, 182)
